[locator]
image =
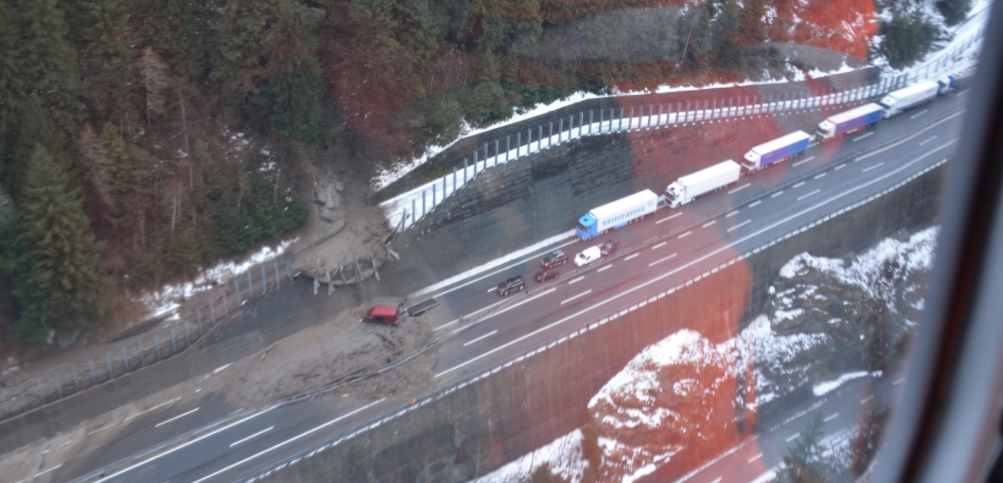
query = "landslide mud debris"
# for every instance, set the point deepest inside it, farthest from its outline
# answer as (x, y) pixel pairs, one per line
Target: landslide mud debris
(336, 350)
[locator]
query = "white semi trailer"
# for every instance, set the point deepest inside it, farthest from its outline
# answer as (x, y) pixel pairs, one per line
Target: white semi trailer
(617, 214)
(687, 188)
(907, 97)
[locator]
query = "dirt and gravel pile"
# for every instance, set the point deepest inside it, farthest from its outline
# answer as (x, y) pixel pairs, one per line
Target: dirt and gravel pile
(336, 350)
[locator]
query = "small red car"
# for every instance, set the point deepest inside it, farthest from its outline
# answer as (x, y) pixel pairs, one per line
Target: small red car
(382, 314)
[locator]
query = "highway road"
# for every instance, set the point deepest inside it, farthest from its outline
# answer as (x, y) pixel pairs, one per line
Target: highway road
(656, 254)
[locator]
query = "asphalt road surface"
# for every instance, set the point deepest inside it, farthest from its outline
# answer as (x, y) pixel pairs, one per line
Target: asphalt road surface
(655, 254)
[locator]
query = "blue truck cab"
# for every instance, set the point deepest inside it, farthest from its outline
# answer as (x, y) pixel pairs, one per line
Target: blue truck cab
(586, 227)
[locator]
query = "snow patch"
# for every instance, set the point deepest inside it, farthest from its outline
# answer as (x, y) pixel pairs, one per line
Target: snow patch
(169, 297)
(824, 388)
(564, 455)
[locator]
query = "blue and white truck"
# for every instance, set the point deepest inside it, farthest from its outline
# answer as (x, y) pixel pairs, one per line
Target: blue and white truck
(776, 150)
(687, 188)
(849, 121)
(616, 214)
(947, 84)
(908, 97)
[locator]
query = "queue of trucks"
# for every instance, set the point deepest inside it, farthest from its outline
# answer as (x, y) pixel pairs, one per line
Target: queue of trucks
(687, 188)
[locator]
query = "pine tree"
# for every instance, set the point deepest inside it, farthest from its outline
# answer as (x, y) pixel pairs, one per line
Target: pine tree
(804, 462)
(13, 96)
(17, 266)
(954, 11)
(907, 38)
(295, 102)
(257, 41)
(52, 60)
(64, 252)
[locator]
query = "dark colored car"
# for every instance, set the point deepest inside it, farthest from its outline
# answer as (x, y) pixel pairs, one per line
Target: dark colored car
(609, 247)
(546, 274)
(555, 258)
(513, 284)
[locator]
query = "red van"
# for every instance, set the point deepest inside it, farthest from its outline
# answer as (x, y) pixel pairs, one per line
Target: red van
(382, 314)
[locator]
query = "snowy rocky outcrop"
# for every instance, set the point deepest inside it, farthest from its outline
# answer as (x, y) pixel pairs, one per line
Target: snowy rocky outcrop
(826, 321)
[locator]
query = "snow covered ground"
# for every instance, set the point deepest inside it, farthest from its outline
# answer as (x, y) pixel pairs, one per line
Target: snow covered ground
(563, 455)
(169, 297)
(671, 395)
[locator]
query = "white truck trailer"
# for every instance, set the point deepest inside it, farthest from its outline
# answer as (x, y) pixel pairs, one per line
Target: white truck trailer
(907, 97)
(616, 214)
(687, 188)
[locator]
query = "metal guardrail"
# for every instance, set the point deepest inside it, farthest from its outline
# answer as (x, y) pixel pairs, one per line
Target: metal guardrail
(142, 350)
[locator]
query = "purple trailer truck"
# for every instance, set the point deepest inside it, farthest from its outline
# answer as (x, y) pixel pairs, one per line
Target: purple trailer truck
(776, 150)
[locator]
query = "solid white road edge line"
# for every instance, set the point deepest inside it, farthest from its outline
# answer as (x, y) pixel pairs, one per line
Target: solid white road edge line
(200, 438)
(485, 336)
(494, 263)
(175, 418)
(702, 258)
(290, 440)
(259, 433)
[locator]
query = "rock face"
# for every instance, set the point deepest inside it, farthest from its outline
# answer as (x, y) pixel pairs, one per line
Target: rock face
(329, 204)
(826, 321)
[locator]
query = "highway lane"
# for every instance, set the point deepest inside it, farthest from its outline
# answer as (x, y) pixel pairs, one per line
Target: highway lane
(540, 313)
(763, 454)
(465, 297)
(718, 240)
